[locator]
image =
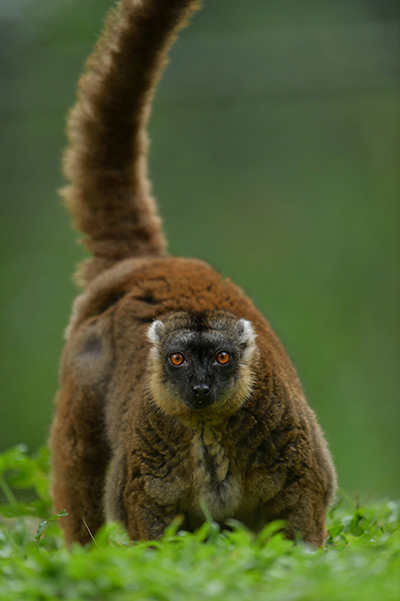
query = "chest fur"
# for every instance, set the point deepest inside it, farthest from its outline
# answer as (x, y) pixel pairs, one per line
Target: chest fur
(215, 483)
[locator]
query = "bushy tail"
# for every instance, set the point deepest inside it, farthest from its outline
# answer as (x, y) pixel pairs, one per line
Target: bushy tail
(109, 193)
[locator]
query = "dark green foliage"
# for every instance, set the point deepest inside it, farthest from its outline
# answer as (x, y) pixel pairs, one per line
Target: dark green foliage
(360, 561)
(275, 153)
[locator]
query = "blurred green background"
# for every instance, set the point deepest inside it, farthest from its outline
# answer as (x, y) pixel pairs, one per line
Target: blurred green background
(275, 157)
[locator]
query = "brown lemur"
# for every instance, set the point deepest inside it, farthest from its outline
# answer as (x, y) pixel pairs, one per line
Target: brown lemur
(175, 393)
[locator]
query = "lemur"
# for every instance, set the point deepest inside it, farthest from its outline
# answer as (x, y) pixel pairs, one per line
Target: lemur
(175, 394)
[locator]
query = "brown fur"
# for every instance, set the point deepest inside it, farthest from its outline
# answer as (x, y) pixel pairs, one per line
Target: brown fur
(122, 446)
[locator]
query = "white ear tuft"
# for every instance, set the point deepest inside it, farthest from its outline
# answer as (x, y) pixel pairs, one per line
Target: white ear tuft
(246, 331)
(155, 331)
(247, 338)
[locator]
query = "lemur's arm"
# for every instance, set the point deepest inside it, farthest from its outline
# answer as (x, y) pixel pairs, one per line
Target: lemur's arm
(109, 193)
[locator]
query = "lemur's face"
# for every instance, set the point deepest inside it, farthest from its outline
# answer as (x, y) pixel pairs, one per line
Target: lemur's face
(201, 361)
(201, 366)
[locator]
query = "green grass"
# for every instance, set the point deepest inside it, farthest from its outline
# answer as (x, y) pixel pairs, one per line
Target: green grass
(361, 559)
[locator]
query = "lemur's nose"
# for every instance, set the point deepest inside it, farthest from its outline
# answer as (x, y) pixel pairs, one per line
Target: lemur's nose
(201, 390)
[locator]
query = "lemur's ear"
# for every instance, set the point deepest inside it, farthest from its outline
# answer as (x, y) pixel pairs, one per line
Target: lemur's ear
(154, 333)
(245, 331)
(247, 338)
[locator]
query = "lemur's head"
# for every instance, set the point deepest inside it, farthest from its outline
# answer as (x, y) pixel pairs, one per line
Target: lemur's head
(201, 362)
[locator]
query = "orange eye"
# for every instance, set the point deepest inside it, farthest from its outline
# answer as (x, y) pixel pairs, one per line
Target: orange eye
(223, 358)
(176, 359)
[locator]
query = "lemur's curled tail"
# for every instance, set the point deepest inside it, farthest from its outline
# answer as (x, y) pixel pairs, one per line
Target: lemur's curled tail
(109, 193)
